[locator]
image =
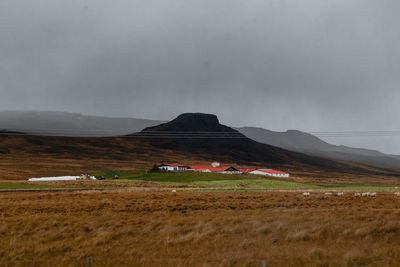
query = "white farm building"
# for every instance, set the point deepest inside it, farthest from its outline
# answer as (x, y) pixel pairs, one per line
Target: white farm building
(174, 168)
(214, 167)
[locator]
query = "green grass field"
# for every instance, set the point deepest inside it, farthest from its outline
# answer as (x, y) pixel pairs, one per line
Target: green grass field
(216, 180)
(198, 180)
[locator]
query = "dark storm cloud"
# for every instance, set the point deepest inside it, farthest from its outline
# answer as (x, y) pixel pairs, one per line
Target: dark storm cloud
(308, 65)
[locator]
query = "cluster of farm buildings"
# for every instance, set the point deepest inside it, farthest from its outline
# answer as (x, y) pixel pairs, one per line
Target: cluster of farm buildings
(215, 167)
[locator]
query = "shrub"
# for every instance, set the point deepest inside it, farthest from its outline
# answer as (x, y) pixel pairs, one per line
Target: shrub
(154, 168)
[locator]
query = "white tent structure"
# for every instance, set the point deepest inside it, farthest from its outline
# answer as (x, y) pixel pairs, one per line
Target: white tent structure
(270, 172)
(59, 178)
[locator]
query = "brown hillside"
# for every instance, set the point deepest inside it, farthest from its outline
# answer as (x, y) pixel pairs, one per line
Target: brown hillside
(24, 156)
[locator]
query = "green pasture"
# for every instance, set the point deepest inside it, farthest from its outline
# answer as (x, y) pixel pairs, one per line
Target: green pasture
(217, 180)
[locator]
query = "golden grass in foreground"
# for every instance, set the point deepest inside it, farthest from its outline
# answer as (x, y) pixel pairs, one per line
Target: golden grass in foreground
(198, 229)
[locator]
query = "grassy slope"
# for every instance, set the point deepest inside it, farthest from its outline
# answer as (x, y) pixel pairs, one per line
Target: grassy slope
(37, 156)
(205, 180)
(228, 181)
(220, 182)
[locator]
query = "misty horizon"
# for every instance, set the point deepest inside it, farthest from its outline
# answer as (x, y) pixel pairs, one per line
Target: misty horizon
(328, 66)
(200, 132)
(325, 136)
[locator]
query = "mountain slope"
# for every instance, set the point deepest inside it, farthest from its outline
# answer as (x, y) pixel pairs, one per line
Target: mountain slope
(312, 145)
(190, 139)
(73, 124)
(236, 147)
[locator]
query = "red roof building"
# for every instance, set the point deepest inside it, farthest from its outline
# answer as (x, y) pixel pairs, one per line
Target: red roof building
(221, 169)
(204, 168)
(247, 170)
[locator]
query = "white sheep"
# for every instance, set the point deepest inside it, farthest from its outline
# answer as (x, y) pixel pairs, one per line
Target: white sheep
(306, 194)
(357, 194)
(397, 194)
(173, 191)
(373, 194)
(340, 194)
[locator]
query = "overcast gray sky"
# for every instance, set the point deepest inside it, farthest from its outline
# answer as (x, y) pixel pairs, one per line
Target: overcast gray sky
(312, 65)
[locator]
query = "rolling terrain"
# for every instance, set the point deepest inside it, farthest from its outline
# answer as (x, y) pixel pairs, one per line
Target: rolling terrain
(138, 221)
(55, 123)
(239, 147)
(191, 138)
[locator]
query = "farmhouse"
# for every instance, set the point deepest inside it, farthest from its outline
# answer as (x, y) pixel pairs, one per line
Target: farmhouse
(174, 168)
(214, 167)
(267, 172)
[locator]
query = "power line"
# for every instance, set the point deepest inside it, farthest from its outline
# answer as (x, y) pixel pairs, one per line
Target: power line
(70, 132)
(357, 134)
(137, 136)
(109, 130)
(214, 132)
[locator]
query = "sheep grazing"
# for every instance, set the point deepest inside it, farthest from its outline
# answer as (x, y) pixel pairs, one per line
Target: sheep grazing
(340, 194)
(357, 194)
(373, 194)
(366, 194)
(397, 194)
(174, 191)
(306, 194)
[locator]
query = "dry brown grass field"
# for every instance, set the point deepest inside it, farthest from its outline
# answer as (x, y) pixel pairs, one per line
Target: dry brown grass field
(198, 229)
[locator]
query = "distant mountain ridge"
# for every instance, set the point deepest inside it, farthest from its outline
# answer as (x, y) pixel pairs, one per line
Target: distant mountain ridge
(309, 144)
(242, 149)
(74, 124)
(69, 124)
(144, 148)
